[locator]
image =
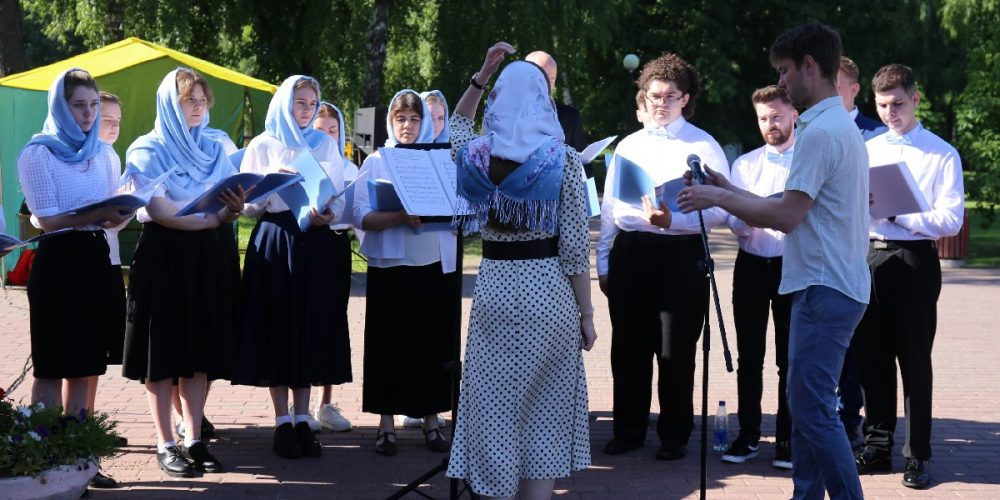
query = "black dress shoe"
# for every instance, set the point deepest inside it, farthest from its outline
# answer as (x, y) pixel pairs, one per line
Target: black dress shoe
(201, 459)
(101, 481)
(618, 446)
(671, 452)
(286, 442)
(437, 444)
(207, 429)
(121, 442)
(172, 462)
(916, 474)
(384, 446)
(307, 440)
(871, 461)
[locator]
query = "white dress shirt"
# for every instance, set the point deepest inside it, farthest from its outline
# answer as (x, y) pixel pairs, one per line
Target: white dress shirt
(663, 159)
(52, 186)
(762, 175)
(937, 168)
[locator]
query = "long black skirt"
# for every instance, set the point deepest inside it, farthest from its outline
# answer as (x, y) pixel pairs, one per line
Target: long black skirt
(412, 317)
(73, 306)
(294, 318)
(181, 300)
(116, 336)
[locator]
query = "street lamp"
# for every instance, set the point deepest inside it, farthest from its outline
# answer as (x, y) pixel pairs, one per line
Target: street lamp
(631, 62)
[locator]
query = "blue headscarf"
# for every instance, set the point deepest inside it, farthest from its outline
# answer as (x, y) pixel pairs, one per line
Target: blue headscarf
(61, 134)
(199, 159)
(426, 134)
(340, 126)
(521, 125)
(280, 123)
(445, 135)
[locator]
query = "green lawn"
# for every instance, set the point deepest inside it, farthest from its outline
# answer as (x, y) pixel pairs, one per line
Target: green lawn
(984, 244)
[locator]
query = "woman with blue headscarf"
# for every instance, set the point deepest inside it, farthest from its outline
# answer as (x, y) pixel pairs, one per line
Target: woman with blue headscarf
(71, 290)
(522, 414)
(184, 278)
(292, 335)
(408, 316)
(438, 107)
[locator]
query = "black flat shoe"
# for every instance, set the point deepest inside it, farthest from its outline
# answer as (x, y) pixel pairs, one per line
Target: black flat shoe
(671, 452)
(203, 460)
(437, 444)
(307, 440)
(873, 461)
(172, 462)
(286, 442)
(385, 446)
(122, 441)
(916, 475)
(101, 481)
(618, 446)
(207, 429)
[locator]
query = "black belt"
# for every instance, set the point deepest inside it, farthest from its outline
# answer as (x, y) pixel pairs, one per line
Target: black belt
(903, 244)
(646, 235)
(521, 250)
(758, 258)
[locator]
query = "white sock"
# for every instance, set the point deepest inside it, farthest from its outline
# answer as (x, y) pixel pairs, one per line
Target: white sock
(301, 418)
(279, 421)
(188, 444)
(162, 447)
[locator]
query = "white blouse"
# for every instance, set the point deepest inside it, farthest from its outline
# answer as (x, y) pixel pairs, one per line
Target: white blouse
(265, 155)
(52, 186)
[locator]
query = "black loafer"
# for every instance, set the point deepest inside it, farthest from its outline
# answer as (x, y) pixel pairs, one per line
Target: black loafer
(384, 446)
(173, 462)
(101, 481)
(872, 461)
(916, 475)
(202, 459)
(671, 452)
(618, 446)
(286, 442)
(437, 444)
(307, 440)
(207, 429)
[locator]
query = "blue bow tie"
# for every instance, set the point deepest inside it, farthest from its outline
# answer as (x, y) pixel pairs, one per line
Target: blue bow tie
(660, 132)
(779, 157)
(898, 140)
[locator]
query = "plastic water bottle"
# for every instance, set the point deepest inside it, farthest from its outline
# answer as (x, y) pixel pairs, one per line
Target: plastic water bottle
(720, 439)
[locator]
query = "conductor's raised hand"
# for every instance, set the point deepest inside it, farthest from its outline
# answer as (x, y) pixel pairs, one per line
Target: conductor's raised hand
(494, 56)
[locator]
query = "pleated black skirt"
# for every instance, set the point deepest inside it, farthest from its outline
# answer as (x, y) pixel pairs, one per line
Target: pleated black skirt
(410, 326)
(72, 302)
(294, 318)
(181, 300)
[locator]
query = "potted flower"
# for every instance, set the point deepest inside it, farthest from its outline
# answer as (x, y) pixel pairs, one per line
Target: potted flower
(46, 454)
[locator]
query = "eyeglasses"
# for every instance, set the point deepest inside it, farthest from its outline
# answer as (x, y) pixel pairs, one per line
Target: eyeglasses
(664, 99)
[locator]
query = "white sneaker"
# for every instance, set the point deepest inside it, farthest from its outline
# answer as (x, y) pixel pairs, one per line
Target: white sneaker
(414, 422)
(313, 424)
(330, 417)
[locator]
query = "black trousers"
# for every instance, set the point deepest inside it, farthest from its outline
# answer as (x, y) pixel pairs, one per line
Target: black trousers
(755, 292)
(899, 324)
(657, 297)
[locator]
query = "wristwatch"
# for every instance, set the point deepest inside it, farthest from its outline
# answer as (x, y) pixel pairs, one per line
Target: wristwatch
(474, 83)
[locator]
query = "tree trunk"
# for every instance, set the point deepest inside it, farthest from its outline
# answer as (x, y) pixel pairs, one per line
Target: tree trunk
(376, 44)
(11, 39)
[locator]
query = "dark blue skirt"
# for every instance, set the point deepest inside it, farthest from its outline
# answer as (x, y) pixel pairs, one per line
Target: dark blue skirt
(294, 317)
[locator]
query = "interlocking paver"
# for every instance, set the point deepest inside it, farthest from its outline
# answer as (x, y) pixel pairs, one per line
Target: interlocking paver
(966, 428)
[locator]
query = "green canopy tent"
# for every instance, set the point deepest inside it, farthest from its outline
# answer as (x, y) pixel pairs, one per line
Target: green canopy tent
(132, 69)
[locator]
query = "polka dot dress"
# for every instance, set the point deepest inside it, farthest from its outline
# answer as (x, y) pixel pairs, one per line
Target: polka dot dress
(523, 408)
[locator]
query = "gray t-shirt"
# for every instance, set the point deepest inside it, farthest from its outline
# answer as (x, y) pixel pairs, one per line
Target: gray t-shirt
(830, 165)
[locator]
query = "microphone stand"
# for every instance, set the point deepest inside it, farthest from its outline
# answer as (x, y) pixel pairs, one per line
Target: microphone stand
(708, 265)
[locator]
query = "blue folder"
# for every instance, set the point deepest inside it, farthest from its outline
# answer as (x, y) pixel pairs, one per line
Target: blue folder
(263, 186)
(315, 190)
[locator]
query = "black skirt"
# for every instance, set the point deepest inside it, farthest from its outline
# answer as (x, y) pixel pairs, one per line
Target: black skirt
(116, 336)
(72, 304)
(412, 317)
(181, 300)
(294, 322)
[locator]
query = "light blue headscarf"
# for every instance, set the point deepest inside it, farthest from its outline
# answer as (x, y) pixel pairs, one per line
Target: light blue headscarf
(61, 134)
(280, 123)
(201, 160)
(445, 135)
(426, 134)
(340, 126)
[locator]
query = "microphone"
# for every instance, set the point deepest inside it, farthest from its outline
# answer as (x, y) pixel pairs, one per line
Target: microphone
(694, 163)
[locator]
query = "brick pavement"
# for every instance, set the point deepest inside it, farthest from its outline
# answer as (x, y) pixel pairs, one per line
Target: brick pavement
(966, 427)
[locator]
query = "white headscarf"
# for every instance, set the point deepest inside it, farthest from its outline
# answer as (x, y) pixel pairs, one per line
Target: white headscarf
(520, 114)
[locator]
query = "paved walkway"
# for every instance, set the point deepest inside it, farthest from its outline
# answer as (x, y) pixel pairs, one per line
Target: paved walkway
(966, 428)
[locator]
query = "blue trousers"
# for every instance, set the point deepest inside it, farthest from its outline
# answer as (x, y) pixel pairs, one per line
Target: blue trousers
(823, 321)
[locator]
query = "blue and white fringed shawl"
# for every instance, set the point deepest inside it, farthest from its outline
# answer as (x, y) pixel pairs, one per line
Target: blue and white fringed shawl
(528, 198)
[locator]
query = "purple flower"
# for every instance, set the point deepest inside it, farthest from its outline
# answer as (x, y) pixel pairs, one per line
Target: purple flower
(17, 438)
(42, 431)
